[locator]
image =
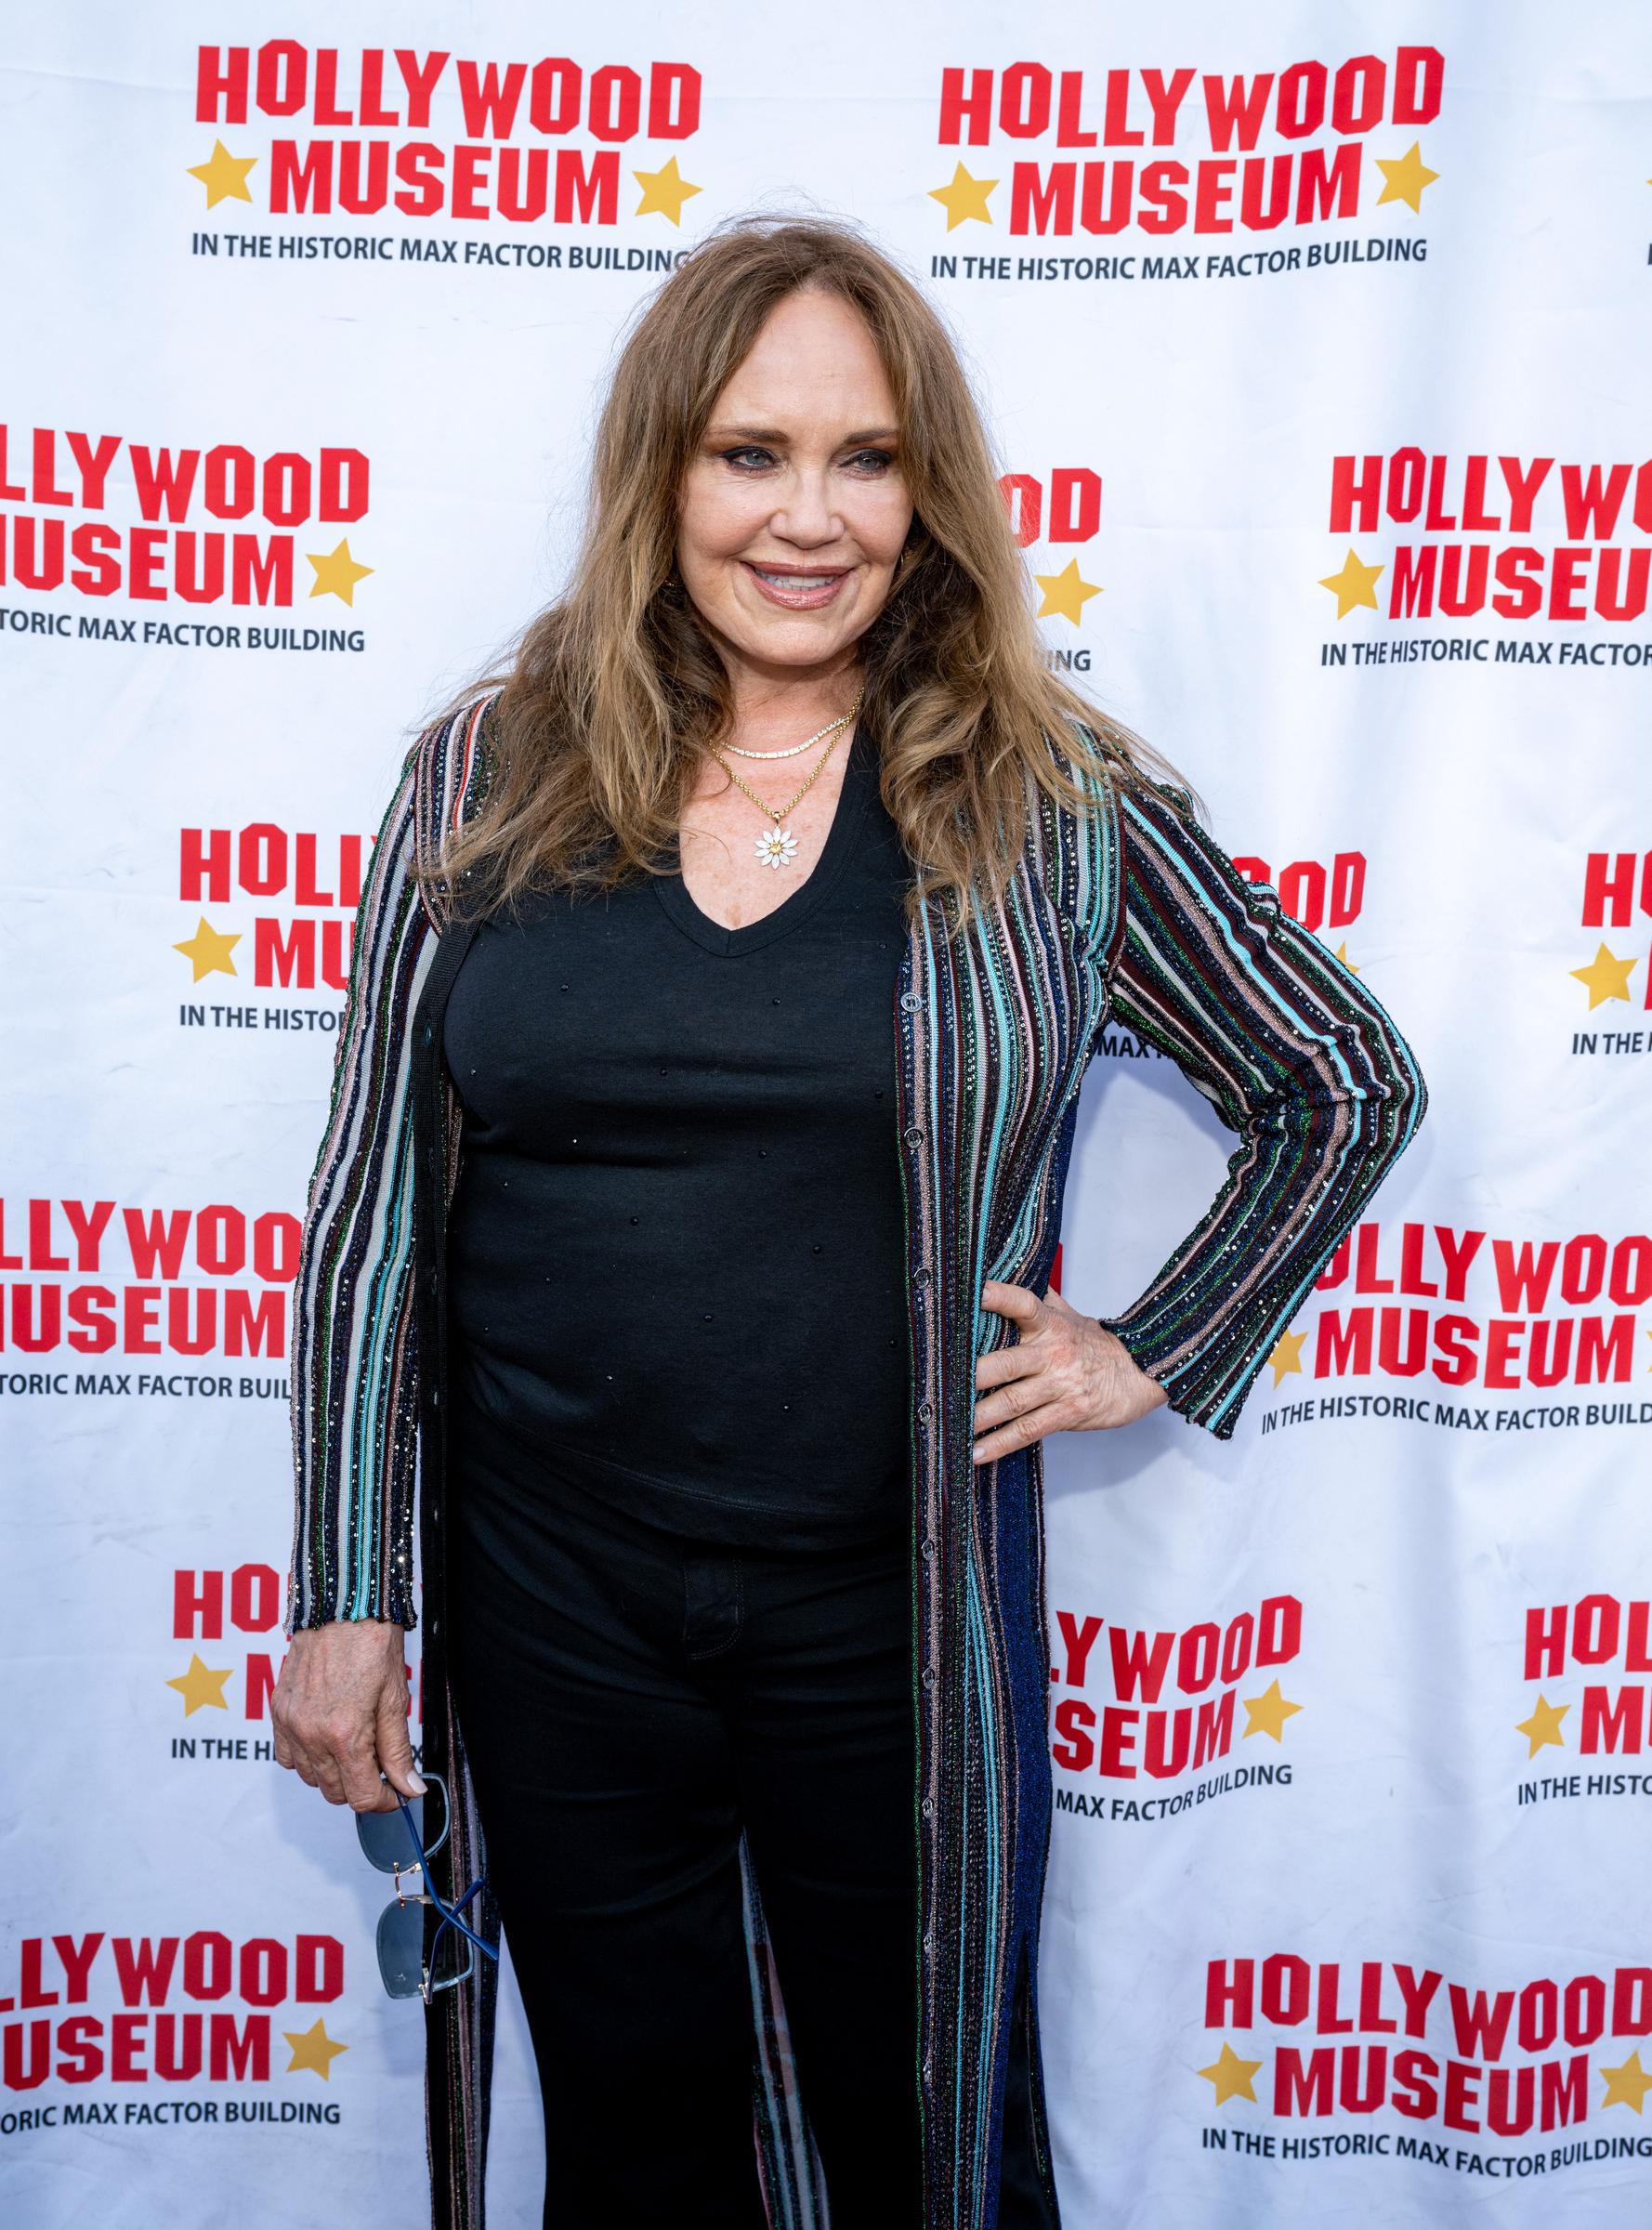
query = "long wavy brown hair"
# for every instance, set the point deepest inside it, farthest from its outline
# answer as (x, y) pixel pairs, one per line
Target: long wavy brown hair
(612, 693)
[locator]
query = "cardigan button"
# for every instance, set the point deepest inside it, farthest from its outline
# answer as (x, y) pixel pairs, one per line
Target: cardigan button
(913, 1135)
(927, 1547)
(909, 1003)
(927, 1807)
(927, 1408)
(921, 1275)
(929, 1676)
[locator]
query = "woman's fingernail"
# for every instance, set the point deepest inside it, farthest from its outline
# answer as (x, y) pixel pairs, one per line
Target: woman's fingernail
(418, 1785)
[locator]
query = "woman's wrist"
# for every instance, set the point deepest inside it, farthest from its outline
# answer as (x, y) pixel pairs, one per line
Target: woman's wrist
(1141, 1380)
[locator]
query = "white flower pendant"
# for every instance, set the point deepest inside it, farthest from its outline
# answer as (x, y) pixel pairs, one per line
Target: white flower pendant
(776, 846)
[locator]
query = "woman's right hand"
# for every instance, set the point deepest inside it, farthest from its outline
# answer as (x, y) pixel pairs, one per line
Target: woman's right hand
(339, 1712)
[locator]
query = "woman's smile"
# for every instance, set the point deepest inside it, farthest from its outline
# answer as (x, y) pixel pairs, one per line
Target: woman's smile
(799, 587)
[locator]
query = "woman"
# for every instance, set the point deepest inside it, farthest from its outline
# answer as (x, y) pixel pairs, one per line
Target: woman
(719, 1005)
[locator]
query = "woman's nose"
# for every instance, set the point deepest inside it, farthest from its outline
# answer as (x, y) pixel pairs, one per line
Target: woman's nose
(807, 515)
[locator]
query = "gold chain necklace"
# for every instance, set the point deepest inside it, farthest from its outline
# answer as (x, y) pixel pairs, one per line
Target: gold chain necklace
(777, 846)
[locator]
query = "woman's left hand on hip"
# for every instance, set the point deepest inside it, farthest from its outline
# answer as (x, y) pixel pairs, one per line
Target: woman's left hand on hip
(1064, 1373)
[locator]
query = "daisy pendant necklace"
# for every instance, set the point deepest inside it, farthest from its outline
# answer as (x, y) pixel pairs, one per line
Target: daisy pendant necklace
(777, 846)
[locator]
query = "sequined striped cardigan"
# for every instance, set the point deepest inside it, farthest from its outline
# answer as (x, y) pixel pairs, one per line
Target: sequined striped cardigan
(1127, 912)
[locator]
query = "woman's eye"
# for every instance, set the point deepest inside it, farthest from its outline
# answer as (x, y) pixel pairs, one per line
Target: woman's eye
(750, 457)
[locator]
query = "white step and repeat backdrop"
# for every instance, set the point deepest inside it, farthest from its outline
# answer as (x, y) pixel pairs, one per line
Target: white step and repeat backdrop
(1316, 345)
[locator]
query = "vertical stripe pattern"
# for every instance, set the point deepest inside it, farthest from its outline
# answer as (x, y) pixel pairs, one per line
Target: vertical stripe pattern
(996, 1024)
(1297, 1055)
(351, 1375)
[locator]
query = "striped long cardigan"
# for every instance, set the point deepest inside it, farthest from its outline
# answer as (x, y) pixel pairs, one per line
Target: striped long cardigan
(1127, 912)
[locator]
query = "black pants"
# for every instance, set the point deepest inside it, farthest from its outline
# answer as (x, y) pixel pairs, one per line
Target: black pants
(630, 1699)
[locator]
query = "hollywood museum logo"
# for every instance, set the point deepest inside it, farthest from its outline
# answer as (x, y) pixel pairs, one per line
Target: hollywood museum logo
(1139, 169)
(1586, 1726)
(268, 910)
(1615, 898)
(1470, 1331)
(323, 138)
(1539, 545)
(1060, 509)
(1144, 1725)
(106, 2031)
(104, 1300)
(179, 545)
(1319, 2059)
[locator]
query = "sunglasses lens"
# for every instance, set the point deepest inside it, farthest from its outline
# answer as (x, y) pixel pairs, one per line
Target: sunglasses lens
(401, 1952)
(452, 1958)
(402, 1949)
(385, 1840)
(384, 1837)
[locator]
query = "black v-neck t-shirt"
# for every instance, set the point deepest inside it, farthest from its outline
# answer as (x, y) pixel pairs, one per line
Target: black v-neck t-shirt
(676, 1247)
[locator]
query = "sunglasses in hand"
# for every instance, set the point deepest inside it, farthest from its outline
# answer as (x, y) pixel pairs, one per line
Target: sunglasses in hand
(395, 1843)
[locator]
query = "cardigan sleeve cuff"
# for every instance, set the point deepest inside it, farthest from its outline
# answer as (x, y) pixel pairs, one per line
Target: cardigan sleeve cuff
(1192, 1389)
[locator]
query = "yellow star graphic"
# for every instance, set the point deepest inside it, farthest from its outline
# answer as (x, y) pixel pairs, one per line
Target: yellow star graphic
(1628, 2085)
(1355, 585)
(337, 573)
(1607, 975)
(965, 197)
(664, 193)
(208, 950)
(312, 2048)
(1231, 2075)
(1341, 955)
(225, 175)
(1543, 1726)
(1406, 178)
(1287, 1354)
(1065, 595)
(201, 1684)
(1269, 1712)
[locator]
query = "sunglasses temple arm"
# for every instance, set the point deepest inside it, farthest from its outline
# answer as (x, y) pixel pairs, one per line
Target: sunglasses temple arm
(450, 1919)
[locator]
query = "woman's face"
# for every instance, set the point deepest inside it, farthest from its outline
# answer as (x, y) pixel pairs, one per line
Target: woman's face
(795, 508)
